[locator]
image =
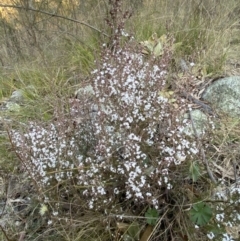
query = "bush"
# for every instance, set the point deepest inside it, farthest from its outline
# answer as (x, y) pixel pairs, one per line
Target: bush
(120, 145)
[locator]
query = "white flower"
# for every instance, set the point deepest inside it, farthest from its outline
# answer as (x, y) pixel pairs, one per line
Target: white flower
(220, 217)
(180, 157)
(116, 191)
(90, 204)
(101, 190)
(55, 213)
(49, 222)
(210, 235)
(227, 237)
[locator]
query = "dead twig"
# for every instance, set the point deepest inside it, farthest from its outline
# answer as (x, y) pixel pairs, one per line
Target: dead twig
(206, 107)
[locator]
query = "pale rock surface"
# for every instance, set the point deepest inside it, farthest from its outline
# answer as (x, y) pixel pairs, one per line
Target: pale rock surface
(224, 95)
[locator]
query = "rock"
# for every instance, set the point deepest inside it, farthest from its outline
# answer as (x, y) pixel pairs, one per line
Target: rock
(224, 95)
(200, 123)
(13, 103)
(183, 65)
(17, 96)
(13, 107)
(87, 90)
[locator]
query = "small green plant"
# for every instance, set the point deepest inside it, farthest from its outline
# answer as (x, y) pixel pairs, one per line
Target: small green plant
(194, 171)
(201, 213)
(154, 45)
(152, 216)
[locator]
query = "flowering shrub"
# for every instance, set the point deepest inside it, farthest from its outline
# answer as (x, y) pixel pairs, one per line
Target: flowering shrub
(127, 148)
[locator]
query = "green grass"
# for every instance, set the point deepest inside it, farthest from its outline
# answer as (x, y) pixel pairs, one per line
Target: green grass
(202, 27)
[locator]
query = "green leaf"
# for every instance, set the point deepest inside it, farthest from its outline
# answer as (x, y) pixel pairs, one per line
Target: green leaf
(201, 213)
(158, 49)
(126, 237)
(134, 230)
(154, 45)
(148, 45)
(194, 171)
(152, 216)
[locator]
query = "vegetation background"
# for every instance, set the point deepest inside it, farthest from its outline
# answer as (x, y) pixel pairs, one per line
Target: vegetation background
(49, 48)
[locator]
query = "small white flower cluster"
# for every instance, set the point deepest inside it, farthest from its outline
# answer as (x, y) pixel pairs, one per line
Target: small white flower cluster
(46, 153)
(225, 237)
